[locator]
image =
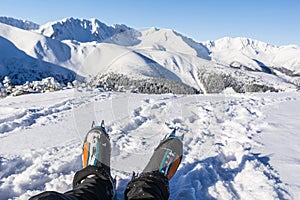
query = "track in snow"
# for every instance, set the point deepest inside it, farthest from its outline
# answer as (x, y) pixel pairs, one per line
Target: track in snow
(219, 161)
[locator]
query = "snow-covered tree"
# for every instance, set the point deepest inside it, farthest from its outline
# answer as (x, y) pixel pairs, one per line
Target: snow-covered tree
(7, 85)
(6, 81)
(75, 83)
(121, 82)
(69, 85)
(2, 90)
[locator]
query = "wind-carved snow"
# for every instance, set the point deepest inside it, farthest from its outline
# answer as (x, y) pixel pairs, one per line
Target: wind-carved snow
(221, 158)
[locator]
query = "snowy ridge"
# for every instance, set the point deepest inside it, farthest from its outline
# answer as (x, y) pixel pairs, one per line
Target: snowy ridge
(247, 52)
(81, 30)
(220, 160)
(169, 40)
(22, 24)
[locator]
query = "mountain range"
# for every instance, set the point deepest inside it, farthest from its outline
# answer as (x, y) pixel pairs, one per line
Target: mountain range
(150, 60)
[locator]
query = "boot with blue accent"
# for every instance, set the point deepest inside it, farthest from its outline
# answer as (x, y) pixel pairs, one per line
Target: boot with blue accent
(96, 163)
(167, 156)
(94, 181)
(153, 182)
(97, 148)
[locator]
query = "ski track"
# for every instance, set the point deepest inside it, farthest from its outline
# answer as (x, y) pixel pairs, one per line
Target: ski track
(217, 164)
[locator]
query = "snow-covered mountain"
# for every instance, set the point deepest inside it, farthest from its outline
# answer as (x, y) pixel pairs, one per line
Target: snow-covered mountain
(100, 53)
(254, 54)
(22, 24)
(27, 56)
(80, 30)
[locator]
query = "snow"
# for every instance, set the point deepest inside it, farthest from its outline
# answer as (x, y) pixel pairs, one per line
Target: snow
(81, 30)
(277, 139)
(29, 56)
(236, 146)
(22, 24)
(87, 48)
(245, 50)
(169, 40)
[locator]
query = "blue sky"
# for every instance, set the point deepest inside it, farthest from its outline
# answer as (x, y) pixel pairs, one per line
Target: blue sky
(272, 21)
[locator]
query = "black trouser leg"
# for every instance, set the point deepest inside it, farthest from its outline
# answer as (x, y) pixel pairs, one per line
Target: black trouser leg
(50, 195)
(96, 185)
(152, 185)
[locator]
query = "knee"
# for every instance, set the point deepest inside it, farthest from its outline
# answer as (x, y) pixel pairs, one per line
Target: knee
(50, 195)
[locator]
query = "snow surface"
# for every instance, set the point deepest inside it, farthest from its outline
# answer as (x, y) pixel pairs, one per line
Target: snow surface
(236, 146)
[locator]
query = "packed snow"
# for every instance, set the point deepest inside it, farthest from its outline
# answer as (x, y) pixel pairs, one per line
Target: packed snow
(236, 146)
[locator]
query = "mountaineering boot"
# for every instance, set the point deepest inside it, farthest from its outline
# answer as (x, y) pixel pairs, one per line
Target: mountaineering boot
(153, 182)
(96, 147)
(96, 161)
(94, 180)
(166, 157)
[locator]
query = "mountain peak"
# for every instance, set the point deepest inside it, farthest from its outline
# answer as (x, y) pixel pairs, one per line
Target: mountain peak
(170, 40)
(81, 30)
(239, 43)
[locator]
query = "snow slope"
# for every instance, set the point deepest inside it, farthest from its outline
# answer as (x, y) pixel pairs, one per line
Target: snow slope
(27, 56)
(234, 145)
